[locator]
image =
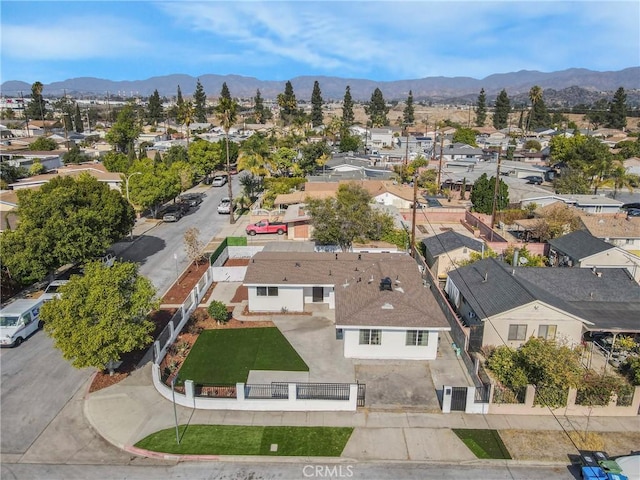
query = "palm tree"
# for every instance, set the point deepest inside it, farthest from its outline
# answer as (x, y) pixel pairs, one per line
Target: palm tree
(187, 114)
(535, 95)
(621, 179)
(253, 163)
(227, 112)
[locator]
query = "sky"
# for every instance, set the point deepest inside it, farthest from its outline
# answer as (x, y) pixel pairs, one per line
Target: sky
(52, 41)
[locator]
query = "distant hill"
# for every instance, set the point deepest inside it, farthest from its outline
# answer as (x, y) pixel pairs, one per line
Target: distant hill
(583, 82)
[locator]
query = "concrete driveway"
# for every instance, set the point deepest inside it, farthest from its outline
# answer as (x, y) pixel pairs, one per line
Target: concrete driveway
(398, 384)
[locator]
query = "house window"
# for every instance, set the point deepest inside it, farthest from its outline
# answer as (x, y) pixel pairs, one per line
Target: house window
(267, 291)
(339, 334)
(370, 337)
(547, 332)
(517, 332)
(419, 338)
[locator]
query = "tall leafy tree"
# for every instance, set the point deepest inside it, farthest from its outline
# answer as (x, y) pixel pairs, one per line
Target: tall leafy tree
(156, 184)
(77, 120)
(408, 114)
(205, 157)
(154, 108)
(36, 108)
(466, 136)
(316, 105)
(65, 221)
(348, 118)
(502, 109)
(125, 130)
(44, 144)
(617, 114)
(101, 315)
(347, 217)
(227, 113)
(200, 103)
(482, 195)
(288, 104)
(311, 152)
(377, 109)
(538, 116)
(259, 110)
(481, 109)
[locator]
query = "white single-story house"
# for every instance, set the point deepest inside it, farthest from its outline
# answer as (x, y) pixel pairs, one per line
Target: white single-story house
(382, 308)
(586, 203)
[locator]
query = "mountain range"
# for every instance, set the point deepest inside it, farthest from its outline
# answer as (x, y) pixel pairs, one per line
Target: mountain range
(439, 89)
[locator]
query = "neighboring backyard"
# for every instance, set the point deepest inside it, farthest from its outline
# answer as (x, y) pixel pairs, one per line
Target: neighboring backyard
(226, 356)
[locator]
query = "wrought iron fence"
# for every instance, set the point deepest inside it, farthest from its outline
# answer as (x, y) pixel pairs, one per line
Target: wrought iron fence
(266, 391)
(322, 391)
(482, 394)
(362, 388)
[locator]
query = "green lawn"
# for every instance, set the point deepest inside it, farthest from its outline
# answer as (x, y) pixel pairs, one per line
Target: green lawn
(483, 443)
(247, 440)
(226, 356)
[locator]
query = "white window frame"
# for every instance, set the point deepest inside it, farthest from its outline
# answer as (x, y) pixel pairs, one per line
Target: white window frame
(417, 338)
(548, 332)
(266, 291)
(370, 336)
(515, 333)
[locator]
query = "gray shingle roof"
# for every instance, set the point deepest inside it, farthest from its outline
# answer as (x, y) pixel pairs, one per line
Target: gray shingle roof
(580, 244)
(609, 300)
(356, 280)
(449, 241)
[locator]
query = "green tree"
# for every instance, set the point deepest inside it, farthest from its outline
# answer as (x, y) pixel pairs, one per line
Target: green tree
(260, 112)
(200, 103)
(206, 157)
(617, 114)
(154, 109)
(11, 174)
(482, 195)
(571, 181)
(179, 105)
(36, 168)
(227, 113)
(408, 114)
(316, 106)
(282, 160)
(377, 109)
(44, 144)
(176, 153)
(116, 162)
(125, 130)
(538, 116)
(349, 142)
(77, 120)
(501, 112)
(74, 156)
(481, 109)
(342, 219)
(348, 118)
(466, 136)
(532, 260)
(218, 311)
(156, 184)
(101, 315)
(67, 220)
(532, 145)
(36, 109)
(288, 104)
(311, 152)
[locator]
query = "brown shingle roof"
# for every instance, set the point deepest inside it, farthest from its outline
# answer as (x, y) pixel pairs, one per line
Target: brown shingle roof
(356, 280)
(617, 226)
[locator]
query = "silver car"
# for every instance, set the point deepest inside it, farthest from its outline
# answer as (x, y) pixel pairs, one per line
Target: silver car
(219, 181)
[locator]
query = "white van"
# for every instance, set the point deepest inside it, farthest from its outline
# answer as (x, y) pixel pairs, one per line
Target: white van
(18, 320)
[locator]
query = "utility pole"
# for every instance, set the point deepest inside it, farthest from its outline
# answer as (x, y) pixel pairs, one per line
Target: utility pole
(413, 215)
(406, 131)
(440, 162)
(496, 189)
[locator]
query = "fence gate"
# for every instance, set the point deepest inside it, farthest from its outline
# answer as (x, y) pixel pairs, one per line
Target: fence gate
(459, 398)
(361, 391)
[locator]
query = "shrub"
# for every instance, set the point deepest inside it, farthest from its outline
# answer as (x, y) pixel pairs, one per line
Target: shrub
(598, 389)
(631, 368)
(218, 311)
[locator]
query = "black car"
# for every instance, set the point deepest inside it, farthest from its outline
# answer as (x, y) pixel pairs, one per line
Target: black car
(191, 199)
(631, 206)
(534, 180)
(633, 212)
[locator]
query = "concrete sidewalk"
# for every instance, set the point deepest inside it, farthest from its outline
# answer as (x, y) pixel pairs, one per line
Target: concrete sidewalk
(132, 409)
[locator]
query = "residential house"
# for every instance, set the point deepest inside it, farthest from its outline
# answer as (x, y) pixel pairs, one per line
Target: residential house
(381, 306)
(583, 250)
(503, 305)
(461, 151)
(97, 170)
(8, 205)
(620, 230)
(50, 160)
(445, 250)
(586, 203)
(381, 137)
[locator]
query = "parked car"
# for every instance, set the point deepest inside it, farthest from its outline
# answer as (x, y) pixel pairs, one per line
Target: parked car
(173, 213)
(219, 181)
(534, 180)
(18, 320)
(191, 199)
(631, 206)
(225, 206)
(52, 290)
(633, 212)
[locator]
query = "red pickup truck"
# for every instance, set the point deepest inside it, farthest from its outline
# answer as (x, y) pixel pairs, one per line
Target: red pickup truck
(264, 226)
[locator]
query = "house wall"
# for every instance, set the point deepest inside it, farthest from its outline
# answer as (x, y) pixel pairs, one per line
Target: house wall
(447, 261)
(328, 295)
(599, 209)
(532, 315)
(389, 199)
(289, 298)
(392, 346)
(625, 243)
(614, 258)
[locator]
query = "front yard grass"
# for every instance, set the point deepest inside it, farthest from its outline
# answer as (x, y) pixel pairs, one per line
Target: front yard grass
(249, 440)
(226, 356)
(483, 443)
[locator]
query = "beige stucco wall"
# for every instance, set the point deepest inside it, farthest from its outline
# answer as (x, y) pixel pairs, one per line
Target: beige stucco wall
(448, 261)
(614, 258)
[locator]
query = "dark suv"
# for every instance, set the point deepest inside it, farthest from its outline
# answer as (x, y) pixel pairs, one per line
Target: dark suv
(191, 199)
(534, 180)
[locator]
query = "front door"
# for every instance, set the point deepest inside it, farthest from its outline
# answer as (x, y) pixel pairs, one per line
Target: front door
(318, 294)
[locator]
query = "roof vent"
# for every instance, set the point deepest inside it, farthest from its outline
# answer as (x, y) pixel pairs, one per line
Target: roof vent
(387, 306)
(385, 284)
(297, 264)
